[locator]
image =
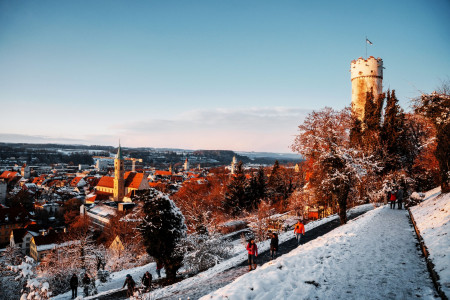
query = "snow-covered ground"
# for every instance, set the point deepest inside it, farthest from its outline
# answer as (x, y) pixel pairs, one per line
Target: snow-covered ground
(433, 220)
(116, 281)
(238, 255)
(372, 257)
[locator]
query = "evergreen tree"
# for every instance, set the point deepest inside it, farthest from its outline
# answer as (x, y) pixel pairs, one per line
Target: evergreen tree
(392, 134)
(236, 194)
(275, 186)
(256, 189)
(162, 230)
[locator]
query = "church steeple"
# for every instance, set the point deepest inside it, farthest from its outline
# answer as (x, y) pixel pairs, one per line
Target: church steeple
(119, 182)
(119, 153)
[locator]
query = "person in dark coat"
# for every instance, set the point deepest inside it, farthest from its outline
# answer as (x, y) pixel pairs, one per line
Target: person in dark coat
(400, 198)
(86, 281)
(129, 282)
(252, 254)
(147, 281)
(159, 266)
(273, 245)
(74, 285)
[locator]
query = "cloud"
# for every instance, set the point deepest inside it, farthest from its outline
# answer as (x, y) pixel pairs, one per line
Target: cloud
(253, 129)
(38, 139)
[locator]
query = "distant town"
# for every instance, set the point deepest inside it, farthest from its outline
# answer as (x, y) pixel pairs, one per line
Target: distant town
(38, 182)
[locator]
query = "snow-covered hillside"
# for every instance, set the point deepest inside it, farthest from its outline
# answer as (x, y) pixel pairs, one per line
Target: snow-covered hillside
(372, 257)
(433, 220)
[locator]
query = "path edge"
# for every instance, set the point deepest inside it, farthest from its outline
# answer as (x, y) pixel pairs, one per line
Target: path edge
(430, 265)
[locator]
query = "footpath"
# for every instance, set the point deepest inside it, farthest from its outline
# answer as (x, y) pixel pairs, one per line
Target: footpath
(373, 257)
(206, 284)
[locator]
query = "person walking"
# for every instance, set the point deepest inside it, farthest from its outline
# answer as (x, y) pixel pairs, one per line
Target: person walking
(86, 281)
(147, 281)
(299, 231)
(159, 266)
(129, 282)
(252, 250)
(273, 245)
(400, 198)
(74, 285)
(392, 199)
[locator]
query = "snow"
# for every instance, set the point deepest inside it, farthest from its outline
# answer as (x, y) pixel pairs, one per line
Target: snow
(116, 281)
(239, 256)
(432, 218)
(371, 257)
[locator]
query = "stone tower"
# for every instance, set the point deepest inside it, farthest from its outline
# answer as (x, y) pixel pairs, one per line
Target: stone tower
(119, 182)
(186, 165)
(366, 75)
(233, 165)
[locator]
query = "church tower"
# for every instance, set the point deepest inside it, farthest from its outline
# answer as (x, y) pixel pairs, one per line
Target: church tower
(186, 165)
(366, 76)
(119, 182)
(233, 165)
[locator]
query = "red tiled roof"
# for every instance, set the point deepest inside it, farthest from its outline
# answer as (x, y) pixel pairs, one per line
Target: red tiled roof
(75, 181)
(133, 180)
(162, 173)
(106, 181)
(154, 184)
(8, 175)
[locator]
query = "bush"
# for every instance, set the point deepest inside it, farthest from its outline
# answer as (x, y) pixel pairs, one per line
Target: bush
(205, 251)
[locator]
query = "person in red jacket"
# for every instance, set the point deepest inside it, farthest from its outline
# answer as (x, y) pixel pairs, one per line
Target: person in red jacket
(299, 231)
(392, 199)
(252, 254)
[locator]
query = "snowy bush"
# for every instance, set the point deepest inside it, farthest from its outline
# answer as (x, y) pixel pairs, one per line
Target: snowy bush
(33, 288)
(414, 199)
(205, 251)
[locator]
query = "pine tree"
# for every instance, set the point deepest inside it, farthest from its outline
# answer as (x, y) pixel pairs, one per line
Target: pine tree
(236, 194)
(392, 134)
(162, 230)
(256, 189)
(275, 185)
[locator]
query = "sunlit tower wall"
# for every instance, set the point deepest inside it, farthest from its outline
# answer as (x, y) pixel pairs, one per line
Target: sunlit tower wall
(366, 75)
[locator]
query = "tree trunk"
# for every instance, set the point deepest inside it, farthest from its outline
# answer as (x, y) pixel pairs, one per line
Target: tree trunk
(342, 199)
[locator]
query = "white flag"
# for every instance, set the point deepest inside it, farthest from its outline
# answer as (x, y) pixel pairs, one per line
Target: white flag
(368, 42)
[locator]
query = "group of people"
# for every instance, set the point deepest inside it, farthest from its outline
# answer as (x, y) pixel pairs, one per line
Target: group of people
(74, 285)
(252, 248)
(395, 196)
(129, 282)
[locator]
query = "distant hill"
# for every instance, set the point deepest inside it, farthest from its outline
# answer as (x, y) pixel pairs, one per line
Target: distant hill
(158, 157)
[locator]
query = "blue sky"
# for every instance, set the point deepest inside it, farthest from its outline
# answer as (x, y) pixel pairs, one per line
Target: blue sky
(237, 75)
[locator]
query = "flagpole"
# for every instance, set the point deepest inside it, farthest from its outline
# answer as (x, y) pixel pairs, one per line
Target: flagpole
(366, 46)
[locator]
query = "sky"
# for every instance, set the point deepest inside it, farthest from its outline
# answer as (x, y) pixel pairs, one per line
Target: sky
(213, 74)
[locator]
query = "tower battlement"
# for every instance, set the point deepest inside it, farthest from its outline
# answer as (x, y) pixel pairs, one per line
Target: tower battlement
(366, 67)
(366, 76)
